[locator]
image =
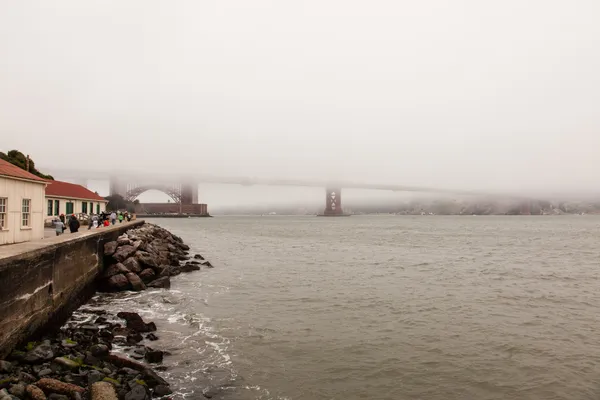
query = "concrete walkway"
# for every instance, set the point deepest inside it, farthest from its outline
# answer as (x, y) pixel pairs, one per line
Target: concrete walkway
(10, 250)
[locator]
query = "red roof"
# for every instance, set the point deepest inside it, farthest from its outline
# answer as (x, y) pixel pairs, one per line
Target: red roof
(66, 189)
(8, 169)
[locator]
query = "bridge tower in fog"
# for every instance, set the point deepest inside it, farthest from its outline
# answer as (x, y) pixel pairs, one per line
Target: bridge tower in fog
(333, 203)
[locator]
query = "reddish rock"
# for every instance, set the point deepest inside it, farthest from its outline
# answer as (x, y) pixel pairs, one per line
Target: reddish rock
(189, 267)
(110, 248)
(147, 275)
(35, 393)
(49, 385)
(115, 269)
(163, 283)
(136, 282)
(123, 252)
(135, 322)
(132, 265)
(118, 283)
(146, 259)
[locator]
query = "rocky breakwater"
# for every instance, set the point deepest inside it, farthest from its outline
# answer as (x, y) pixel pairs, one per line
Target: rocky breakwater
(146, 257)
(78, 362)
(97, 355)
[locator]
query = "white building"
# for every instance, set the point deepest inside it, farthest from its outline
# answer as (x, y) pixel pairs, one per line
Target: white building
(21, 205)
(64, 198)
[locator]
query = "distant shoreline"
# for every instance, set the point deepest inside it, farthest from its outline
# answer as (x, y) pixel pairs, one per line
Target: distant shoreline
(399, 215)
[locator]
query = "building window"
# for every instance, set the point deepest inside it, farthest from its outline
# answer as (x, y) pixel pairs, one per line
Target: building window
(26, 212)
(2, 213)
(84, 207)
(56, 207)
(91, 207)
(98, 208)
(69, 208)
(49, 207)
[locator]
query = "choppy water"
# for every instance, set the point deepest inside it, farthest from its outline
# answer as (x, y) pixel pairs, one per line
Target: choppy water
(383, 308)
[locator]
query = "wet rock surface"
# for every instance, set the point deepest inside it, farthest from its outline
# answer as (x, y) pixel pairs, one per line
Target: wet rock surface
(143, 257)
(79, 362)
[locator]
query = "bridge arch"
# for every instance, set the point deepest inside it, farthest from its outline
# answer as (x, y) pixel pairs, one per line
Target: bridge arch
(174, 192)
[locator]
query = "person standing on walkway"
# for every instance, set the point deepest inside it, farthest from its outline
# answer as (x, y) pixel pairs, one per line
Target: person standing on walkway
(74, 224)
(59, 226)
(113, 217)
(93, 222)
(120, 217)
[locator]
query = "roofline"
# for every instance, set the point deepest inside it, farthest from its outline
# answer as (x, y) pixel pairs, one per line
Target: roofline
(24, 179)
(74, 198)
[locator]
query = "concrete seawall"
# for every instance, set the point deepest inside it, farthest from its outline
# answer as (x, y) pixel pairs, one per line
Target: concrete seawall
(42, 282)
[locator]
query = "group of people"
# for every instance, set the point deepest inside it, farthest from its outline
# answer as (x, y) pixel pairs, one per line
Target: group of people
(105, 219)
(95, 221)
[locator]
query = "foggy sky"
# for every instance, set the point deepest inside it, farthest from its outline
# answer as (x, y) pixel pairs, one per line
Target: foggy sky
(466, 94)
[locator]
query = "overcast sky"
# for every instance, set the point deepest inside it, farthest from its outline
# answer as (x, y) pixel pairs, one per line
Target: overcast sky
(472, 94)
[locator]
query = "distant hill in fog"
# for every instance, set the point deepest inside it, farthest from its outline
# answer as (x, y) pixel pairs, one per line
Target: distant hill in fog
(431, 206)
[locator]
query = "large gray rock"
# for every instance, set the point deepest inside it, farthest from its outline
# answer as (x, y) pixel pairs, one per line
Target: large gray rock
(6, 367)
(39, 354)
(154, 356)
(99, 350)
(137, 392)
(147, 275)
(162, 390)
(136, 282)
(164, 283)
(95, 376)
(132, 265)
(110, 248)
(118, 282)
(123, 252)
(115, 269)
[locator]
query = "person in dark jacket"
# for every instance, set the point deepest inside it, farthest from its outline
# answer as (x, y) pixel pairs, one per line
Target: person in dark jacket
(74, 224)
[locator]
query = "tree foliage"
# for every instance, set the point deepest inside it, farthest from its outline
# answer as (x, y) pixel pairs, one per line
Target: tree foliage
(117, 202)
(19, 159)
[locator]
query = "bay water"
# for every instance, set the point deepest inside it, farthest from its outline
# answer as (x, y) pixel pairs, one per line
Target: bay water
(381, 307)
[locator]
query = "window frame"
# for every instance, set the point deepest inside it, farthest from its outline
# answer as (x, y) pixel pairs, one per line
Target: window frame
(67, 212)
(25, 215)
(3, 213)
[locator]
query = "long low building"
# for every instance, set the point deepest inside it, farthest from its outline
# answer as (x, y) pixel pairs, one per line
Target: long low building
(21, 204)
(69, 198)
